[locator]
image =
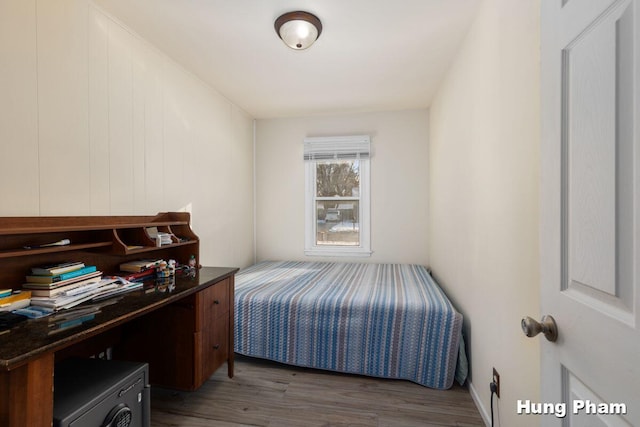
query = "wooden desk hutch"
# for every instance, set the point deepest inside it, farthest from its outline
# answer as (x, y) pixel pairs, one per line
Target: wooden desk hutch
(184, 332)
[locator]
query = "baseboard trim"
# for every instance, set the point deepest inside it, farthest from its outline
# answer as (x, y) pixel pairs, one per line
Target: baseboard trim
(481, 408)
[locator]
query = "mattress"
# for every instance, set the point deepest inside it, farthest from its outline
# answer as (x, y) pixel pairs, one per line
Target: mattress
(382, 320)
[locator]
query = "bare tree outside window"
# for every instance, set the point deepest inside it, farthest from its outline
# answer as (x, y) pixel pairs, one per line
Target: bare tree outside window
(337, 179)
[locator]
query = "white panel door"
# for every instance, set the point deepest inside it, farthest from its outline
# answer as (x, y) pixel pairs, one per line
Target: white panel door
(590, 211)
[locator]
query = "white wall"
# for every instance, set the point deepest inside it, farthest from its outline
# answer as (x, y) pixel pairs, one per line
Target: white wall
(484, 154)
(95, 121)
(399, 187)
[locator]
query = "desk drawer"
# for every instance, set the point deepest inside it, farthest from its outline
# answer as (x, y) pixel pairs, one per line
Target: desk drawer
(215, 346)
(215, 299)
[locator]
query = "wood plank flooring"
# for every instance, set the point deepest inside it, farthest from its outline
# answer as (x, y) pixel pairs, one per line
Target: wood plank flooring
(264, 393)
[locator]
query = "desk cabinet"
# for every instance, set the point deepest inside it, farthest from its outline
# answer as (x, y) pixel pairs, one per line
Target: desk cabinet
(184, 331)
(185, 342)
(213, 337)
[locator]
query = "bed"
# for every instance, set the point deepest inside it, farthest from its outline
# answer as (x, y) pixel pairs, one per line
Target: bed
(382, 320)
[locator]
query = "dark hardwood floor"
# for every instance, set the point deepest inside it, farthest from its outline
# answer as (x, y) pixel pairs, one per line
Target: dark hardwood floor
(263, 393)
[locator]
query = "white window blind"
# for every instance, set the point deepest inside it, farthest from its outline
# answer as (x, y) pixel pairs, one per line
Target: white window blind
(337, 147)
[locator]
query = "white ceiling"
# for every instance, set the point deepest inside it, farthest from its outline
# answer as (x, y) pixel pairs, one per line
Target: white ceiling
(373, 55)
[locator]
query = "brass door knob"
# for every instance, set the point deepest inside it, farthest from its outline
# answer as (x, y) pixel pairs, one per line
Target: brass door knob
(547, 326)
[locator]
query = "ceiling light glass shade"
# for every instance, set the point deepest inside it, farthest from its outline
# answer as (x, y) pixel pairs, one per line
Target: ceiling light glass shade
(298, 30)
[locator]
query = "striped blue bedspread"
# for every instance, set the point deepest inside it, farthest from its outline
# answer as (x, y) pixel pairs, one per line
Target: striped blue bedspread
(382, 320)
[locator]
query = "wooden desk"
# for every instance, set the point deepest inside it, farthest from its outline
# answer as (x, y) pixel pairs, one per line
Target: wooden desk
(193, 321)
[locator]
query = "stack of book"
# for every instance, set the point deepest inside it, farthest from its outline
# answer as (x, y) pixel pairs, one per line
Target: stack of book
(60, 275)
(69, 284)
(146, 269)
(142, 265)
(13, 300)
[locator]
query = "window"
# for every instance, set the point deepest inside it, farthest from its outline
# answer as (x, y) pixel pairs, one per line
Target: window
(337, 196)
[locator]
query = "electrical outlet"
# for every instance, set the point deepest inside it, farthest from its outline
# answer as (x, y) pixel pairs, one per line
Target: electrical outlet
(496, 381)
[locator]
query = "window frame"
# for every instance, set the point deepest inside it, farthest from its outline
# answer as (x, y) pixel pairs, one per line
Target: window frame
(364, 212)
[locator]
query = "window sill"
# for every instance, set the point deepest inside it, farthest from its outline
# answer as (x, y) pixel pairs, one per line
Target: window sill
(334, 252)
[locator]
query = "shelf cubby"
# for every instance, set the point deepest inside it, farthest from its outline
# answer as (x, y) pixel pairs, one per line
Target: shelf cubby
(103, 241)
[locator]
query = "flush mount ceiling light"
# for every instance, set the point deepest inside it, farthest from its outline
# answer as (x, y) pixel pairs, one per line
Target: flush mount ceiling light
(298, 30)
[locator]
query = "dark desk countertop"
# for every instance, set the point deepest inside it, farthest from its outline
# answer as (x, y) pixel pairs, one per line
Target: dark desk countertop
(34, 337)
